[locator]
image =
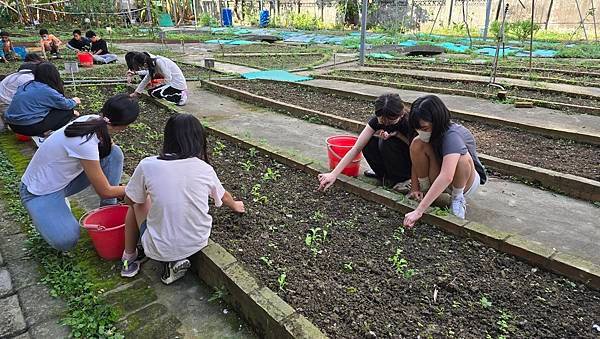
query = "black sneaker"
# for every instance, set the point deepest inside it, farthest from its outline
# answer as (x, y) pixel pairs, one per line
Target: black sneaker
(370, 174)
(174, 270)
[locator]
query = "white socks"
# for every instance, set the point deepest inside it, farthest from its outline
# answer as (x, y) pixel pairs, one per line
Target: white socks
(129, 256)
(424, 184)
(457, 193)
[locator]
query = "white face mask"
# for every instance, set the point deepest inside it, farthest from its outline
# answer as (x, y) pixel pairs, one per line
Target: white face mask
(424, 136)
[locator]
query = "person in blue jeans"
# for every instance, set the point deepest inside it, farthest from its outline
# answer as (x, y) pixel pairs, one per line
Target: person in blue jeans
(71, 159)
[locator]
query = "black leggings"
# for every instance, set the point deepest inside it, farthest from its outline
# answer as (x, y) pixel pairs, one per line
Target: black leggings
(389, 159)
(166, 92)
(55, 119)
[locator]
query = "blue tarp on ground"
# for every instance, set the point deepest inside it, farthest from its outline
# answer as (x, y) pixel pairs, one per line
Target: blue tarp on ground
(230, 42)
(408, 43)
(275, 75)
(449, 46)
(380, 56)
(538, 53)
(491, 51)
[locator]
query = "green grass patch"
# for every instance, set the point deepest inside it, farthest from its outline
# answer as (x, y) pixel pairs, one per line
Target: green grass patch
(79, 277)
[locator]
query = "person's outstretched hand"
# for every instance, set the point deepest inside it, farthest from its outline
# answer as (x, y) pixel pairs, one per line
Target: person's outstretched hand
(326, 180)
(238, 207)
(410, 219)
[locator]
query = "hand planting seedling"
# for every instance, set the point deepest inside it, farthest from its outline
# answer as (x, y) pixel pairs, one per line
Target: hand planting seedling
(271, 174)
(218, 149)
(257, 196)
(265, 259)
(281, 281)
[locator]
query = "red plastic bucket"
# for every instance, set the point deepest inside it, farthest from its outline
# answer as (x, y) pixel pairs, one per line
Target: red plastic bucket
(106, 227)
(22, 137)
(85, 59)
(337, 147)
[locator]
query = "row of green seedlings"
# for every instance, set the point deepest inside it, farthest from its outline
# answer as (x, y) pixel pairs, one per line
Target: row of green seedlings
(270, 175)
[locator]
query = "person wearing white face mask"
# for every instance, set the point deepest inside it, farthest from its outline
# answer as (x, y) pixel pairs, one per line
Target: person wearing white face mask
(444, 156)
(384, 143)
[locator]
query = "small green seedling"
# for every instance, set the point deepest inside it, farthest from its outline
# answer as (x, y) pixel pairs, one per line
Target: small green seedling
(282, 281)
(351, 290)
(218, 149)
(317, 216)
(247, 165)
(265, 260)
(485, 303)
(401, 265)
(271, 174)
(257, 195)
(502, 323)
(348, 267)
(218, 294)
(253, 152)
(399, 233)
(315, 238)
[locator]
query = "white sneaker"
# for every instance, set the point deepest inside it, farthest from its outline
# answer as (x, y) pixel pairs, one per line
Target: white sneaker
(184, 98)
(174, 270)
(403, 187)
(459, 207)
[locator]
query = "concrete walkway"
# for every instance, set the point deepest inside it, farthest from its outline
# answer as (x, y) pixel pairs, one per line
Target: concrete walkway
(591, 91)
(566, 224)
(537, 116)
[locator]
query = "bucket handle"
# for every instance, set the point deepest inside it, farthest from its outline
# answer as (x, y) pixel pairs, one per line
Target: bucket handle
(90, 227)
(337, 156)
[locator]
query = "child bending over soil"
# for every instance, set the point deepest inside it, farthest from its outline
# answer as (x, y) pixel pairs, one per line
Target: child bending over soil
(49, 43)
(444, 157)
(7, 51)
(384, 143)
(174, 86)
(168, 195)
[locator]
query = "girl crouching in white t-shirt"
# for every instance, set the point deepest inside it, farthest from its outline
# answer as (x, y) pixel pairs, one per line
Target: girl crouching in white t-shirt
(72, 158)
(169, 195)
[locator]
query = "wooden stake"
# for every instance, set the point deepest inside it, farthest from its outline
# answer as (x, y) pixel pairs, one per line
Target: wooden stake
(531, 37)
(548, 16)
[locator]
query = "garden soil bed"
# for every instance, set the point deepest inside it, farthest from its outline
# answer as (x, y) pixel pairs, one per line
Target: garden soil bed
(565, 98)
(504, 142)
(350, 289)
(553, 75)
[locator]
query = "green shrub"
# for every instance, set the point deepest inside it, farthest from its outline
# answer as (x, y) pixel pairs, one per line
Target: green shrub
(590, 51)
(305, 21)
(208, 20)
(522, 29)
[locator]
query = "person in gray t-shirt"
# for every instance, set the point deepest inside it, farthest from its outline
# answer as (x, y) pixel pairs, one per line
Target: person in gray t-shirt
(443, 155)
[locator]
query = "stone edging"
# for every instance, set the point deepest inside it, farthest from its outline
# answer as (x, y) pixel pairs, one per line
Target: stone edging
(451, 91)
(482, 81)
(269, 315)
(578, 187)
(445, 68)
(534, 253)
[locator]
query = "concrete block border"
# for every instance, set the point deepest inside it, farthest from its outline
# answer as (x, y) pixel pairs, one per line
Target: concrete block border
(571, 185)
(565, 264)
(553, 132)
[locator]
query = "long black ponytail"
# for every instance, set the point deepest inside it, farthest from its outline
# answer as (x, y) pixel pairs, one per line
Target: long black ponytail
(119, 110)
(144, 59)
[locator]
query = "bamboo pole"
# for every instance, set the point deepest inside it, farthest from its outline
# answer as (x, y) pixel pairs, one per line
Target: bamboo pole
(450, 13)
(488, 12)
(548, 16)
(582, 21)
(531, 37)
(594, 18)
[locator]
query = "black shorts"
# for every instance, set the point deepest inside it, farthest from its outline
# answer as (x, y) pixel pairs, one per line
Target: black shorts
(166, 92)
(55, 119)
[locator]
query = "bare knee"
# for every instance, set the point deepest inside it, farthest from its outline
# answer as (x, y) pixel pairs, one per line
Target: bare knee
(420, 148)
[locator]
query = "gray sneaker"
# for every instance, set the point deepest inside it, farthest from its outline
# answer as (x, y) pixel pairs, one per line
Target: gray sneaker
(174, 270)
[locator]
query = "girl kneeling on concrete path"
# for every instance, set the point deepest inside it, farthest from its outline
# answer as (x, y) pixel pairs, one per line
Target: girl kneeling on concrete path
(444, 156)
(384, 143)
(169, 195)
(68, 161)
(174, 87)
(40, 106)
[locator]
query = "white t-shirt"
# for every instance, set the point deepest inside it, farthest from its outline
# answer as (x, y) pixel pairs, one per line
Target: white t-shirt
(9, 85)
(57, 162)
(169, 70)
(178, 224)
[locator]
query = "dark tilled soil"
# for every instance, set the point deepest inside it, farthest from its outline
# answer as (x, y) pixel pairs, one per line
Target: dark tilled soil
(554, 75)
(504, 142)
(472, 86)
(274, 61)
(459, 287)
